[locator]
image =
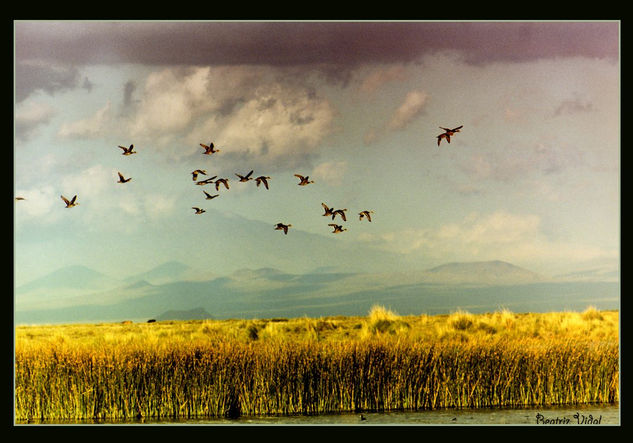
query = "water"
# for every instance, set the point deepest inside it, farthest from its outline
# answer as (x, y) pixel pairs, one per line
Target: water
(579, 415)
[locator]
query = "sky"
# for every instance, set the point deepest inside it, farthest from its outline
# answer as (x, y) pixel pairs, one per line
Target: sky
(532, 178)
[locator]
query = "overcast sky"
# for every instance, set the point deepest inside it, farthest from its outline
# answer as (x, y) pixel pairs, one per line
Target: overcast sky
(533, 177)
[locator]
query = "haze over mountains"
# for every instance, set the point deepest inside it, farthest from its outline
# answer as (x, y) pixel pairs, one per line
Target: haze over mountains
(175, 290)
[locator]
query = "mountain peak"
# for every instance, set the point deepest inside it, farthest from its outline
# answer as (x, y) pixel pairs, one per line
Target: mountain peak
(482, 272)
(73, 276)
(165, 272)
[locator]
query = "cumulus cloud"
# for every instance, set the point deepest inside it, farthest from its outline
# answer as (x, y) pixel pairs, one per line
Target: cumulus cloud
(278, 124)
(500, 235)
(380, 76)
(30, 117)
(331, 173)
(170, 99)
(39, 202)
(412, 106)
(89, 127)
(265, 113)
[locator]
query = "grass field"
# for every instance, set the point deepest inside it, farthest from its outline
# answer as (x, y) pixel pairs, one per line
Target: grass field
(383, 361)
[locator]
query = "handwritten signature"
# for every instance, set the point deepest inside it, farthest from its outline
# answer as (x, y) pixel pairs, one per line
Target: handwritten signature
(577, 419)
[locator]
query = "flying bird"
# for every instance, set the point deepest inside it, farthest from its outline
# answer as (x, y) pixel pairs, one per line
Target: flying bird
(452, 131)
(303, 181)
(128, 151)
(328, 211)
(209, 196)
(262, 179)
(198, 210)
(441, 136)
(123, 179)
(206, 181)
(340, 212)
(195, 173)
(337, 228)
(20, 198)
(70, 203)
(244, 178)
(210, 149)
(362, 214)
(224, 181)
(447, 134)
(282, 227)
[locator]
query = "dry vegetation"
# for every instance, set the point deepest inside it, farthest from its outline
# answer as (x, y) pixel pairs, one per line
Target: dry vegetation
(305, 365)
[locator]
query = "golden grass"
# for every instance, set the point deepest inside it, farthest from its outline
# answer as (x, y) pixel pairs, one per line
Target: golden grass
(306, 365)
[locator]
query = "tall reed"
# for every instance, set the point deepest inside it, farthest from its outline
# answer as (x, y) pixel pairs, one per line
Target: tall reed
(235, 377)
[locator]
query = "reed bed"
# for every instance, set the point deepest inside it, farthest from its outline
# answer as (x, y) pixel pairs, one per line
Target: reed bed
(311, 366)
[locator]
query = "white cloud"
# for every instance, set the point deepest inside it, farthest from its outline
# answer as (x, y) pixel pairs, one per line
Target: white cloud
(90, 127)
(517, 238)
(277, 123)
(39, 202)
(89, 183)
(380, 76)
(31, 116)
(411, 107)
(170, 100)
(330, 172)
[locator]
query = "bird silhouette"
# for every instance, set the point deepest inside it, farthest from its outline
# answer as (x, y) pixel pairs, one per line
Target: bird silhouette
(198, 210)
(447, 134)
(340, 212)
(244, 178)
(123, 179)
(209, 196)
(328, 211)
(209, 149)
(452, 131)
(195, 173)
(337, 228)
(282, 227)
(206, 181)
(441, 136)
(224, 181)
(362, 214)
(303, 181)
(20, 198)
(70, 203)
(262, 179)
(128, 151)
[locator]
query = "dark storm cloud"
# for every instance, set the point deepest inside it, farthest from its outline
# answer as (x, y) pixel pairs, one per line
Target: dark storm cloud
(34, 76)
(297, 43)
(332, 48)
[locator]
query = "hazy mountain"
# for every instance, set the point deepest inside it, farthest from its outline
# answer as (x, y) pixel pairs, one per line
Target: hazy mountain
(191, 314)
(62, 285)
(71, 277)
(269, 292)
(166, 272)
(484, 272)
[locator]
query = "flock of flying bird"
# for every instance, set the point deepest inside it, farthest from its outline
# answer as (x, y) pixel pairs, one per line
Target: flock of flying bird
(304, 180)
(261, 180)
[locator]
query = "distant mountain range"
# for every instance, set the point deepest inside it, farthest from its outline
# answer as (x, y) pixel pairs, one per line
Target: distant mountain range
(174, 290)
